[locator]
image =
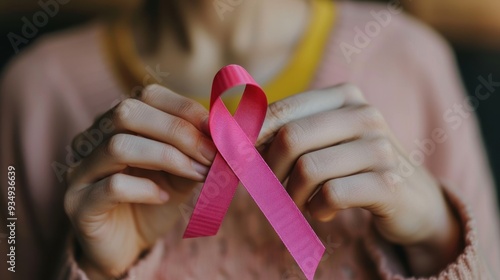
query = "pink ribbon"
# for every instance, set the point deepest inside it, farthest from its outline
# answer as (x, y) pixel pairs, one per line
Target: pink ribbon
(238, 160)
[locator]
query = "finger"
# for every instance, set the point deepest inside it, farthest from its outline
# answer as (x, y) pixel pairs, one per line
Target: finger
(320, 131)
(107, 193)
(124, 150)
(313, 169)
(134, 116)
(306, 104)
(365, 190)
(175, 131)
(169, 102)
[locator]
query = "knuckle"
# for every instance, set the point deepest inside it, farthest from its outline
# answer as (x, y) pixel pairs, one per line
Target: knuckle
(371, 118)
(167, 152)
(383, 150)
(112, 184)
(391, 181)
(177, 127)
(288, 138)
(352, 92)
(123, 111)
(150, 93)
(281, 110)
(333, 197)
(69, 204)
(117, 146)
(306, 168)
(186, 106)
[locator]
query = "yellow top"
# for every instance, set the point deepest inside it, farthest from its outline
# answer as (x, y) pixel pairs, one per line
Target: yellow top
(294, 78)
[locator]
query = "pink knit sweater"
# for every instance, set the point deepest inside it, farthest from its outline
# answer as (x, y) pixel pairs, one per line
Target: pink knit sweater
(62, 83)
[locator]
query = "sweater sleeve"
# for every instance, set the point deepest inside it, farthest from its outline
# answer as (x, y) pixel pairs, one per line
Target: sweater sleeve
(40, 114)
(27, 144)
(454, 153)
(145, 268)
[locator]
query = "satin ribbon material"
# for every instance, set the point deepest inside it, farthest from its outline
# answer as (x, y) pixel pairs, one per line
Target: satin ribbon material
(238, 160)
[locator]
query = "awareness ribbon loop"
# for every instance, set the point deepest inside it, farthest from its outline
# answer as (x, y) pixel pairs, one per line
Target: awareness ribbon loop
(238, 160)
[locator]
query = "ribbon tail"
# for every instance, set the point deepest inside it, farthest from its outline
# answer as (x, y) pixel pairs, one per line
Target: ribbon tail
(213, 201)
(268, 193)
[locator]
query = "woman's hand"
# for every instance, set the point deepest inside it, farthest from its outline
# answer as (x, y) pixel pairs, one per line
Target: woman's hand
(125, 194)
(334, 152)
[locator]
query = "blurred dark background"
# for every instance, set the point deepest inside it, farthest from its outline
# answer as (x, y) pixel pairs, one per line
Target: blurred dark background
(471, 26)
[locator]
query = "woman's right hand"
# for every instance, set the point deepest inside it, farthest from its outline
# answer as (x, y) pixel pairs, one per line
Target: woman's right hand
(125, 193)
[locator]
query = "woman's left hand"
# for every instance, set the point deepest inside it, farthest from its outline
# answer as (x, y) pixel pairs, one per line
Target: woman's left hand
(334, 151)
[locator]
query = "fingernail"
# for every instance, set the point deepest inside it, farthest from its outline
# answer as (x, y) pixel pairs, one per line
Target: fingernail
(208, 150)
(200, 168)
(164, 196)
